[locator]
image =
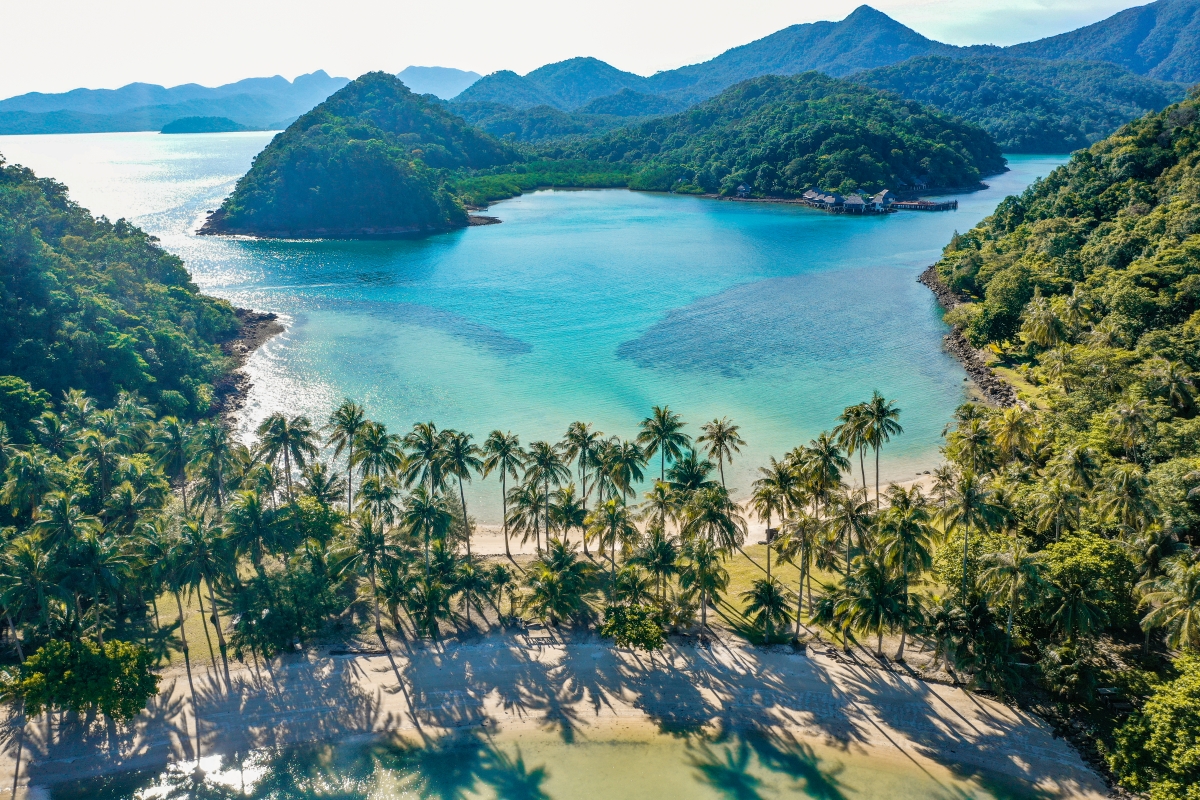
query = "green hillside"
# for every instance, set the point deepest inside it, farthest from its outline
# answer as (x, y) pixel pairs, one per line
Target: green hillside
(784, 135)
(1028, 105)
(99, 306)
(533, 124)
(370, 160)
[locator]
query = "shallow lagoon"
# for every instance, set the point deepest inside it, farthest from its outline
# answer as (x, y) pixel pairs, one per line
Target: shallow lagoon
(589, 305)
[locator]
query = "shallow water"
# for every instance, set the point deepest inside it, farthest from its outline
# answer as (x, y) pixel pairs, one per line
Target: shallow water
(588, 305)
(539, 766)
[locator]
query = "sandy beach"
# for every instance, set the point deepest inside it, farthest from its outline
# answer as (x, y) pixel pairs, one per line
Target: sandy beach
(579, 688)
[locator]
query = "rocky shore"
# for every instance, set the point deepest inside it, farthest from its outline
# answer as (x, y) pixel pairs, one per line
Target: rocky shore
(994, 389)
(230, 390)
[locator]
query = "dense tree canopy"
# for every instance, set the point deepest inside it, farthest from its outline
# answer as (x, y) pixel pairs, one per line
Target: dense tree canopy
(783, 136)
(91, 304)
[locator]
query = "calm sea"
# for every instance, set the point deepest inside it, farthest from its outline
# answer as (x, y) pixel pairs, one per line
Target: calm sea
(582, 305)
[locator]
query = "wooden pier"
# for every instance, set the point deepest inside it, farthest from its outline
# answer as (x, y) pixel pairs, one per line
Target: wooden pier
(925, 205)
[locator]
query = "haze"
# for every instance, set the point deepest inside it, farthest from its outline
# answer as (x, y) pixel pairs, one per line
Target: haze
(65, 44)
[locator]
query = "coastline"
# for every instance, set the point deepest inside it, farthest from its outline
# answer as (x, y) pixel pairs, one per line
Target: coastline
(993, 388)
(231, 389)
(571, 687)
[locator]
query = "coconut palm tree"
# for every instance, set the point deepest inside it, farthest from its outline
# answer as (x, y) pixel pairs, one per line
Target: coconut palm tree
(566, 511)
(61, 522)
(1041, 326)
(624, 466)
(723, 440)
(1011, 432)
(971, 502)
(376, 452)
(662, 433)
(559, 583)
(970, 445)
(250, 528)
(218, 463)
(343, 428)
(380, 496)
(1130, 422)
(322, 484)
(825, 462)
(689, 474)
(524, 509)
(292, 440)
(101, 455)
(201, 558)
(849, 518)
(907, 543)
(579, 445)
(772, 497)
(1014, 579)
(426, 462)
(1075, 608)
(660, 503)
(502, 452)
(1054, 501)
(428, 518)
(850, 435)
(1172, 381)
(1174, 601)
(609, 523)
(100, 565)
(701, 572)
(371, 552)
(768, 605)
(28, 581)
(545, 466)
(874, 598)
(881, 421)
(462, 458)
(797, 545)
(711, 515)
(1125, 495)
(31, 477)
(173, 447)
(659, 556)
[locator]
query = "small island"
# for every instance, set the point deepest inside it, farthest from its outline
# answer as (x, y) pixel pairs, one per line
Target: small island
(203, 125)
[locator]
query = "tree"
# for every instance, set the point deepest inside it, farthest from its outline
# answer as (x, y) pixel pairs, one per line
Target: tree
(559, 583)
(881, 423)
(1011, 432)
(502, 452)
(769, 499)
(1174, 600)
(712, 516)
(632, 625)
(874, 598)
(610, 523)
(462, 459)
(218, 463)
(114, 679)
(849, 519)
(173, 444)
(825, 462)
(202, 558)
(907, 540)
(1124, 495)
(690, 473)
(659, 503)
(768, 604)
(371, 551)
(344, 426)
(970, 501)
(797, 545)
(659, 556)
(662, 433)
(721, 437)
(1014, 579)
(426, 462)
(428, 518)
(294, 440)
(251, 528)
(703, 573)
(1054, 502)
(567, 511)
(376, 453)
(850, 434)
(580, 444)
(543, 467)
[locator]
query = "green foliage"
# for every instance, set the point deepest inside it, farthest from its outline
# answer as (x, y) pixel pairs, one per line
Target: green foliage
(1028, 105)
(20, 405)
(783, 136)
(1103, 566)
(535, 124)
(81, 676)
(633, 625)
(486, 186)
(370, 160)
(90, 304)
(1157, 751)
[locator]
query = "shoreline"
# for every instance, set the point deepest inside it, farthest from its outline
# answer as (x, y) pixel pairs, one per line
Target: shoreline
(995, 390)
(231, 389)
(569, 686)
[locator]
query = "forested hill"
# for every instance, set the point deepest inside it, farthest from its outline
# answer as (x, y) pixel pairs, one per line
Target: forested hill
(98, 306)
(1029, 105)
(370, 160)
(785, 135)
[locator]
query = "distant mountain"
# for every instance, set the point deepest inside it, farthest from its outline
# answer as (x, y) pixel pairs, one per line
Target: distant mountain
(443, 82)
(565, 85)
(202, 125)
(628, 103)
(1161, 40)
(782, 136)
(255, 103)
(371, 160)
(1029, 105)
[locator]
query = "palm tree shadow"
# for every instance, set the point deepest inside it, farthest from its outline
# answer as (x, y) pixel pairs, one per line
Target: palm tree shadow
(725, 769)
(511, 778)
(782, 752)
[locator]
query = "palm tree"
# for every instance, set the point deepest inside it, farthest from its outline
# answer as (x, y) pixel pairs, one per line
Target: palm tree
(1076, 609)
(768, 605)
(344, 426)
(294, 440)
(426, 458)
(970, 501)
(610, 522)
(502, 452)
(849, 519)
(1172, 381)
(559, 583)
(702, 573)
(100, 564)
(850, 433)
(218, 462)
(371, 552)
(1053, 503)
(970, 445)
(825, 463)
(659, 503)
(1125, 496)
(462, 458)
(881, 423)
(767, 501)
(101, 455)
(173, 444)
(545, 466)
(712, 516)
(690, 473)
(322, 484)
(662, 433)
(376, 452)
(722, 438)
(874, 598)
(797, 545)
(659, 556)
(1130, 422)
(1012, 432)
(201, 558)
(1174, 599)
(1041, 326)
(381, 497)
(250, 528)
(31, 477)
(28, 580)
(580, 445)
(566, 511)
(61, 523)
(1013, 578)
(625, 463)
(523, 511)
(907, 542)
(428, 518)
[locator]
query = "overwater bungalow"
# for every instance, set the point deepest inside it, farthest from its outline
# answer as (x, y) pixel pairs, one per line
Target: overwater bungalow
(854, 204)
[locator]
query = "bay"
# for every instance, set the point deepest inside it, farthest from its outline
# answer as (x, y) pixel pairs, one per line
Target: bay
(591, 305)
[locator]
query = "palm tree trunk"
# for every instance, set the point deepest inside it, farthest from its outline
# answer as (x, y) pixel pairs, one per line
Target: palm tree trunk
(583, 474)
(466, 522)
(768, 547)
(862, 468)
(287, 472)
(721, 466)
(966, 541)
(879, 644)
(877, 478)
(350, 480)
(212, 599)
(504, 511)
(12, 631)
(375, 599)
(904, 622)
(204, 621)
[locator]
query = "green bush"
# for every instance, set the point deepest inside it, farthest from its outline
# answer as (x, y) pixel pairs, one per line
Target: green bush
(81, 676)
(1157, 751)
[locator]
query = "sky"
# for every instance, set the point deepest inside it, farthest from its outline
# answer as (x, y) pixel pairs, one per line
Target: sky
(58, 45)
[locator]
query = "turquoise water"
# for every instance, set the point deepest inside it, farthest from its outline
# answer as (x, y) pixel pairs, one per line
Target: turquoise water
(539, 767)
(591, 305)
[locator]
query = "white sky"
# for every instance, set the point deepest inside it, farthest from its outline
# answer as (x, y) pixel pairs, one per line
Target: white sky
(56, 45)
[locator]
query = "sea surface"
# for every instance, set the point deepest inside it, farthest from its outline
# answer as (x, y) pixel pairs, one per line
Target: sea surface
(581, 305)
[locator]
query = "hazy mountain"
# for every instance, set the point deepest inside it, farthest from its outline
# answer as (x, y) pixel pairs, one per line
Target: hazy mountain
(565, 85)
(443, 82)
(1161, 40)
(628, 103)
(255, 103)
